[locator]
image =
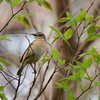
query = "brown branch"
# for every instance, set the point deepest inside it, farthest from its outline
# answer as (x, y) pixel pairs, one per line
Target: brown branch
(13, 16)
(45, 85)
(16, 90)
(7, 79)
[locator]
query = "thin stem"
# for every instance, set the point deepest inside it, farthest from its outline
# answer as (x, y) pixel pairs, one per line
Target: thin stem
(12, 17)
(88, 87)
(96, 69)
(11, 7)
(88, 75)
(62, 89)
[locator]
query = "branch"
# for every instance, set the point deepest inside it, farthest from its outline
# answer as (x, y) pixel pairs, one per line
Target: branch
(88, 87)
(13, 16)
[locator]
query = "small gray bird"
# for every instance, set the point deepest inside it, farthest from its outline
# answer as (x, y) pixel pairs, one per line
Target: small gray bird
(34, 51)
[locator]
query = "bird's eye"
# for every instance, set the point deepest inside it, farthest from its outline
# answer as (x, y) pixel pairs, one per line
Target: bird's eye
(40, 35)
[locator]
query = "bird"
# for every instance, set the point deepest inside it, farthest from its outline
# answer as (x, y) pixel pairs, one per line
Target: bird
(34, 51)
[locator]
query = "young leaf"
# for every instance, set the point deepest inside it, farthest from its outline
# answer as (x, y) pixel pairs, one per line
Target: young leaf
(5, 61)
(95, 55)
(55, 53)
(69, 15)
(88, 78)
(16, 2)
(89, 17)
(44, 61)
(91, 29)
(47, 5)
(54, 29)
(5, 38)
(26, 22)
(71, 97)
(69, 22)
(93, 37)
(64, 19)
(87, 63)
(96, 83)
(56, 38)
(20, 18)
(61, 61)
(1, 68)
(1, 88)
(68, 34)
(39, 3)
(97, 17)
(97, 26)
(59, 85)
(81, 16)
(78, 63)
(84, 54)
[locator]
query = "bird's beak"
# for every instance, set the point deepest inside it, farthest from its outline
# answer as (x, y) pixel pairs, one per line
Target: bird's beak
(34, 34)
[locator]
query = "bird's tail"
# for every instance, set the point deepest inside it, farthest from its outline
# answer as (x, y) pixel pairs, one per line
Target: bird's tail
(20, 71)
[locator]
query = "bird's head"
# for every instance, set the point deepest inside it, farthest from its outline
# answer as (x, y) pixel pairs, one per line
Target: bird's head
(39, 36)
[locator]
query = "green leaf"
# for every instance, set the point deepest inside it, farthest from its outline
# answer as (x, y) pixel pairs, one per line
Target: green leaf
(68, 34)
(55, 53)
(56, 30)
(97, 26)
(22, 15)
(93, 37)
(1, 68)
(1, 88)
(64, 19)
(47, 5)
(62, 62)
(59, 85)
(81, 16)
(1, 1)
(71, 97)
(20, 19)
(95, 55)
(26, 22)
(84, 54)
(96, 83)
(88, 78)
(89, 17)
(69, 22)
(5, 38)
(97, 17)
(16, 2)
(39, 3)
(78, 63)
(2, 96)
(70, 91)
(91, 29)
(5, 61)
(44, 61)
(56, 38)
(65, 84)
(87, 63)
(69, 15)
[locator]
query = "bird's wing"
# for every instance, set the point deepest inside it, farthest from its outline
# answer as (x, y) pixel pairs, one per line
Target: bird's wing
(26, 53)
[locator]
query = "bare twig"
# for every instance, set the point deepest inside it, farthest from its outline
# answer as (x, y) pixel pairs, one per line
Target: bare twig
(7, 79)
(16, 90)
